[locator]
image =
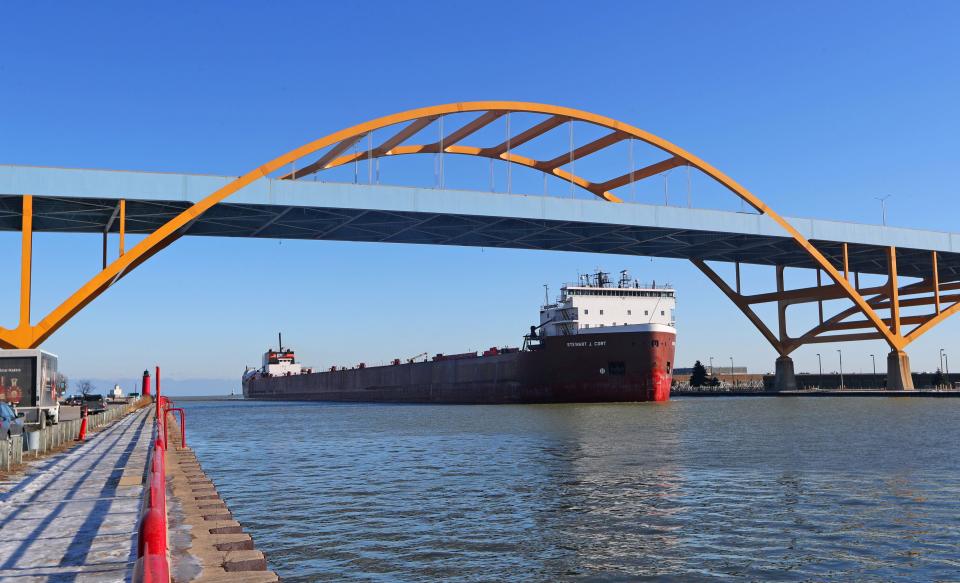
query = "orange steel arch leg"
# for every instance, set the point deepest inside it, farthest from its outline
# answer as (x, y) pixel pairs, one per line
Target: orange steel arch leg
(25, 335)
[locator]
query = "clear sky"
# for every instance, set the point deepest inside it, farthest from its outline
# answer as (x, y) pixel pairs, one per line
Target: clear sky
(817, 107)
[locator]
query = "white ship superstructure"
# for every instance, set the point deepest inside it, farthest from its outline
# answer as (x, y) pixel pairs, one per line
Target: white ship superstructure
(594, 305)
(280, 363)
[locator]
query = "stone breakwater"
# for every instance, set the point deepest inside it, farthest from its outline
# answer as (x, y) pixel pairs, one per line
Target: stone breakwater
(207, 544)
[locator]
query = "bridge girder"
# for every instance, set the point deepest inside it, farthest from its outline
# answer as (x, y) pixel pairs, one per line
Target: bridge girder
(334, 146)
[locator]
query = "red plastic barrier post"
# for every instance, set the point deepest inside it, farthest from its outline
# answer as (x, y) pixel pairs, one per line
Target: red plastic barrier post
(83, 424)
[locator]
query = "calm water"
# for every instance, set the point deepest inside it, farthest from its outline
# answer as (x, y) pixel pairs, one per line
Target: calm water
(756, 489)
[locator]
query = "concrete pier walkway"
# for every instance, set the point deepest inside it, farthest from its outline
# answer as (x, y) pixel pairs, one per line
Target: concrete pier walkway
(73, 517)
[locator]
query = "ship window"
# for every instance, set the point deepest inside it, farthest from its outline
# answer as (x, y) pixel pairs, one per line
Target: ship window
(629, 313)
(662, 313)
(585, 312)
(654, 343)
(614, 323)
(601, 312)
(617, 368)
(586, 325)
(646, 312)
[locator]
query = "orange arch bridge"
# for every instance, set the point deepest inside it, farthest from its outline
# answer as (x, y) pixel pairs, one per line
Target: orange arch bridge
(874, 312)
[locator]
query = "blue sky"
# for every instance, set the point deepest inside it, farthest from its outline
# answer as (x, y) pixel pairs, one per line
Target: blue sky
(817, 107)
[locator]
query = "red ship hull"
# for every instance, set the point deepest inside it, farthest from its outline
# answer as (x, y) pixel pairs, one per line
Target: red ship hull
(598, 367)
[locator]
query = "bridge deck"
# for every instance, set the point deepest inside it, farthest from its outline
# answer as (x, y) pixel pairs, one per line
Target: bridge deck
(86, 201)
(69, 518)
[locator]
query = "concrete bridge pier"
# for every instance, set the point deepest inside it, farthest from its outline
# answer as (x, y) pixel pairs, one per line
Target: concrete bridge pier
(898, 371)
(784, 380)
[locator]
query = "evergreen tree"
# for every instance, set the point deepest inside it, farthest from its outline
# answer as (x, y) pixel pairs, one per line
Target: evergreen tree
(699, 376)
(939, 379)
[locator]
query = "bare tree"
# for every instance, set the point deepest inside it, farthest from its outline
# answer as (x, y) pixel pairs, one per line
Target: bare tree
(85, 387)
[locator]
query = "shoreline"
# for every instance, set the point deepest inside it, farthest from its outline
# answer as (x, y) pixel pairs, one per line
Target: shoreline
(916, 393)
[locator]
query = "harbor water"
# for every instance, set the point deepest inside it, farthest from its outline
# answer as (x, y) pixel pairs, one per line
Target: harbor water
(759, 489)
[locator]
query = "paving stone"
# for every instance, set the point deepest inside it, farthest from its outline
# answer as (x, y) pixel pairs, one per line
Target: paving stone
(244, 561)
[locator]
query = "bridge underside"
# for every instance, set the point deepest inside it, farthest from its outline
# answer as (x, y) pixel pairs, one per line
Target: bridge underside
(316, 222)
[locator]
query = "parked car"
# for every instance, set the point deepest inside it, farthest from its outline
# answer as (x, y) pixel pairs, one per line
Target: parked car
(11, 422)
(73, 400)
(94, 404)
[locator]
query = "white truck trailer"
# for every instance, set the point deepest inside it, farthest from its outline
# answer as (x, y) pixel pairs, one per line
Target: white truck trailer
(28, 381)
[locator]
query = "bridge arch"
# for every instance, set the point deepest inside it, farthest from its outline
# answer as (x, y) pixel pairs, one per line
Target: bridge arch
(336, 145)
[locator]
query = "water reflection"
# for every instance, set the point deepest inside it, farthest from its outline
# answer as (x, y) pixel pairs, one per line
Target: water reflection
(771, 489)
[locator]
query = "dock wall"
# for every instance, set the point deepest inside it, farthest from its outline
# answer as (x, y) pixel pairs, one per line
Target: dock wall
(206, 543)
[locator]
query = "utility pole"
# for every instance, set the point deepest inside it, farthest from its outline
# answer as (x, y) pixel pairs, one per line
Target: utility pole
(820, 366)
(711, 366)
(733, 378)
(841, 368)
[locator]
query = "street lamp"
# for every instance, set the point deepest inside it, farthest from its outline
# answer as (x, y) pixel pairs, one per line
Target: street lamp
(874, 358)
(841, 368)
(883, 207)
(820, 366)
(946, 361)
(711, 367)
(733, 378)
(941, 360)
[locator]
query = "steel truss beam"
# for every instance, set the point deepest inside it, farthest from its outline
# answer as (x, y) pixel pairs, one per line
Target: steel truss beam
(886, 297)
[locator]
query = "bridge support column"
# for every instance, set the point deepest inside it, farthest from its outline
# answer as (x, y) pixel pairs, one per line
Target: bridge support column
(784, 380)
(898, 371)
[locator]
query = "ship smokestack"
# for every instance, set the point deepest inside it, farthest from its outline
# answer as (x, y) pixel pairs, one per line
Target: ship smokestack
(279, 341)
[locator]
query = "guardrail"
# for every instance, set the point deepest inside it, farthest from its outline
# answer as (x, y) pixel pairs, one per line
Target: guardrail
(51, 437)
(153, 565)
(11, 452)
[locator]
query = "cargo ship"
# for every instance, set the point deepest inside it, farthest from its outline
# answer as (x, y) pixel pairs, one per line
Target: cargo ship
(598, 342)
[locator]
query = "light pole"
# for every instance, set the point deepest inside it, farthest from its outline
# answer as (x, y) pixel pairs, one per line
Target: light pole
(711, 367)
(883, 207)
(874, 358)
(841, 368)
(820, 366)
(941, 360)
(733, 378)
(946, 361)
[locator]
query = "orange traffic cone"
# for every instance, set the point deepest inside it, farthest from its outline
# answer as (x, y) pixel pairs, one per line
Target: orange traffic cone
(83, 426)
